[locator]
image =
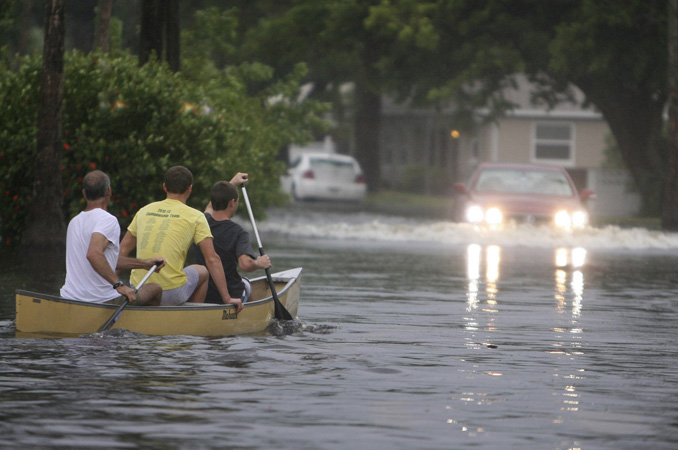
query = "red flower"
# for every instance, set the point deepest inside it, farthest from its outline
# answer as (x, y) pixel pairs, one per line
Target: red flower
(16, 197)
(93, 165)
(67, 147)
(125, 213)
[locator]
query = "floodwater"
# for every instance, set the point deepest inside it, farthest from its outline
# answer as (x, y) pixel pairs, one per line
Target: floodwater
(413, 334)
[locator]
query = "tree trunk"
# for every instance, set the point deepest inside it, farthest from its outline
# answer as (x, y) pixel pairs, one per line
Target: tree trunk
(670, 211)
(45, 223)
(26, 22)
(173, 35)
(152, 26)
(102, 32)
(636, 123)
(638, 135)
(367, 124)
(160, 33)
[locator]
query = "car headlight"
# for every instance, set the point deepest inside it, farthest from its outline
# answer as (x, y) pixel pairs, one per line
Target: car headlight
(474, 214)
(563, 219)
(493, 216)
(580, 219)
(576, 219)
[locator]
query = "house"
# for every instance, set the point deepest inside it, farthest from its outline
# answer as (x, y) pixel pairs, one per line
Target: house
(420, 147)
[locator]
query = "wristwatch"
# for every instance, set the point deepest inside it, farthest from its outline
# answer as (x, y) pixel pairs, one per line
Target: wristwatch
(118, 284)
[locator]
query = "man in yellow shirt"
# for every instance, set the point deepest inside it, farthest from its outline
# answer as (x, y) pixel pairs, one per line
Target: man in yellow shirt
(168, 228)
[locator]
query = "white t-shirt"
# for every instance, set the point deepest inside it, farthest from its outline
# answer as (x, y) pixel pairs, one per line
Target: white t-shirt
(82, 282)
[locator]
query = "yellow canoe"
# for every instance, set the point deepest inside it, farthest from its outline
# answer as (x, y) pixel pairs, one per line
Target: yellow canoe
(40, 315)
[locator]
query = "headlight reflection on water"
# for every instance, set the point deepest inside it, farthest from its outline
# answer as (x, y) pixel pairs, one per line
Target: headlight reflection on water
(481, 321)
(568, 265)
(575, 260)
(473, 266)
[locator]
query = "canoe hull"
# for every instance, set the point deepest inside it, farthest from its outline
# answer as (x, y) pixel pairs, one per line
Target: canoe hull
(45, 315)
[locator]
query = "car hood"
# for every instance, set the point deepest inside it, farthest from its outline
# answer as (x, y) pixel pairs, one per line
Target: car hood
(526, 204)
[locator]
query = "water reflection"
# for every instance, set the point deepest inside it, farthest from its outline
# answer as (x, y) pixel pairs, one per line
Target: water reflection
(474, 262)
(568, 276)
(570, 260)
(484, 303)
(473, 266)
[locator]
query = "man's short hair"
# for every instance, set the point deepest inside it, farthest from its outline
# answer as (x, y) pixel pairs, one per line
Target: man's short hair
(95, 185)
(222, 193)
(178, 179)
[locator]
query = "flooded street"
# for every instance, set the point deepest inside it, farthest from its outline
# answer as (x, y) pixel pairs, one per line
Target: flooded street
(413, 334)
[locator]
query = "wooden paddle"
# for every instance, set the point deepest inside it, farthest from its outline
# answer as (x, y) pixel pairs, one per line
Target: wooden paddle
(280, 312)
(116, 315)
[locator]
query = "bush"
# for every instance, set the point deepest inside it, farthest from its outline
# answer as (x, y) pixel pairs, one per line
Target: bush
(135, 122)
(417, 178)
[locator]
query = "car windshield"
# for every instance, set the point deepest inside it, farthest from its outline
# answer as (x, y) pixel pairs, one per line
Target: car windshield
(524, 181)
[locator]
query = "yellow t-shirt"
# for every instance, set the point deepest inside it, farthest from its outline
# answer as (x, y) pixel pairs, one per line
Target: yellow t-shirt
(167, 228)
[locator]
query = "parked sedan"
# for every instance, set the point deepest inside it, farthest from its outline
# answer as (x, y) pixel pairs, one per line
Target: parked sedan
(325, 176)
(498, 193)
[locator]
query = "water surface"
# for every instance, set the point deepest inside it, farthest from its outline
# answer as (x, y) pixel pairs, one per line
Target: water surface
(413, 334)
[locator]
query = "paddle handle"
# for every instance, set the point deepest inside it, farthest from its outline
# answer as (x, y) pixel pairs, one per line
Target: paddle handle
(143, 280)
(249, 211)
(279, 310)
(116, 315)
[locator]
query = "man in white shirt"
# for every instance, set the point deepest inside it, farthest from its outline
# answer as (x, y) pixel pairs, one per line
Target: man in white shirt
(92, 252)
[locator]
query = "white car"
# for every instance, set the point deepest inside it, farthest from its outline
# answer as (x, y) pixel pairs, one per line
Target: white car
(325, 176)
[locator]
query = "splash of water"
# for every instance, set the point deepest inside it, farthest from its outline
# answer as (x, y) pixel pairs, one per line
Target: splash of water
(382, 228)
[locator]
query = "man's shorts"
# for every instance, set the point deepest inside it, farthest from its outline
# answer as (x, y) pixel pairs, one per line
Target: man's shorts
(179, 296)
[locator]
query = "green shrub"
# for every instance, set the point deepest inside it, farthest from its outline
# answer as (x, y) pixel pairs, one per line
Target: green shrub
(135, 122)
(417, 179)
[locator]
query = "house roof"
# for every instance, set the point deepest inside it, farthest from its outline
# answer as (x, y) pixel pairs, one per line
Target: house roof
(526, 107)
(521, 96)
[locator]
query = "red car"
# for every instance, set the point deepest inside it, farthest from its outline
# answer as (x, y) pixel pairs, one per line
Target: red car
(498, 193)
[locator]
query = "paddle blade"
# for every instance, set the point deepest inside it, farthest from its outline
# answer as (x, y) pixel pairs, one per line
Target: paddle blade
(279, 311)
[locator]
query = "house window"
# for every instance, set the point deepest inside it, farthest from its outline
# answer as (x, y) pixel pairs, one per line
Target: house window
(554, 142)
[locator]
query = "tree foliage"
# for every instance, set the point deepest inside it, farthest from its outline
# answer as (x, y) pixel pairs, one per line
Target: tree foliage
(467, 52)
(135, 122)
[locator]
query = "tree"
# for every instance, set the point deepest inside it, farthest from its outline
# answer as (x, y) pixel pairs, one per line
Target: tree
(160, 32)
(45, 224)
(332, 39)
(617, 57)
(670, 211)
(466, 52)
(102, 29)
